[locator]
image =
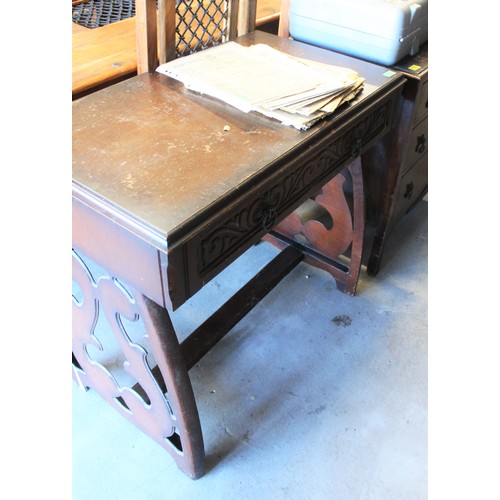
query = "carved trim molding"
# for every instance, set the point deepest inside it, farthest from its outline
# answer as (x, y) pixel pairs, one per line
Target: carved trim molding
(125, 349)
(253, 216)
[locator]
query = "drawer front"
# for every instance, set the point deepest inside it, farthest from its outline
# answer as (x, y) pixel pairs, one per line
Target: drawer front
(412, 186)
(295, 178)
(417, 145)
(422, 105)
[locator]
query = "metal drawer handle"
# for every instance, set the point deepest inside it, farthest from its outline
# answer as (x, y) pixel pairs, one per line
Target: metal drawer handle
(409, 191)
(269, 217)
(356, 147)
(421, 141)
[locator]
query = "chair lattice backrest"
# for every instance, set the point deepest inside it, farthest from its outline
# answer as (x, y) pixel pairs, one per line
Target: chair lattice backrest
(200, 25)
(167, 29)
(98, 13)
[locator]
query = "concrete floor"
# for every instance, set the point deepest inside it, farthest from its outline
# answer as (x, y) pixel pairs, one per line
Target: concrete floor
(314, 395)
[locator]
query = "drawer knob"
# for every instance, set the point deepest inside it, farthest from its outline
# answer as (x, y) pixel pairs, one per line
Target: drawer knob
(269, 217)
(356, 147)
(409, 191)
(421, 141)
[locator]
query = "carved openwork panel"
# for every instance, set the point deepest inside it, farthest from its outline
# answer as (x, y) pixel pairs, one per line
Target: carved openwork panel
(125, 348)
(325, 222)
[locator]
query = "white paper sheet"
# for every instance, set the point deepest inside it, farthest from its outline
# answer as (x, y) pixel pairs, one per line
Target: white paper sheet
(262, 79)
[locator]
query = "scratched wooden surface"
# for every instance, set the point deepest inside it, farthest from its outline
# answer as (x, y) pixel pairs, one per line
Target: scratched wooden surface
(108, 53)
(179, 135)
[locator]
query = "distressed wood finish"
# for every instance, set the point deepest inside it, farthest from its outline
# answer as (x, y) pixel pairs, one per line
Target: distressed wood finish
(169, 188)
(280, 166)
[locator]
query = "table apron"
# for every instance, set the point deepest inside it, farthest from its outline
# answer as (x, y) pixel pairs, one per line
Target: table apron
(120, 252)
(233, 228)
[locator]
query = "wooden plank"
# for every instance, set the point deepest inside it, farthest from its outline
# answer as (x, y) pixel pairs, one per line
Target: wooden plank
(206, 336)
(146, 39)
(267, 11)
(284, 24)
(76, 28)
(166, 30)
(103, 54)
(246, 17)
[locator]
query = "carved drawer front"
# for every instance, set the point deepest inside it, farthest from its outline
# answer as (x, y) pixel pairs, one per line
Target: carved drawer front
(422, 105)
(266, 204)
(417, 145)
(412, 185)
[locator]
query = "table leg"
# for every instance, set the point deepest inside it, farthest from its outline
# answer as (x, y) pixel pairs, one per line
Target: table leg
(126, 349)
(329, 228)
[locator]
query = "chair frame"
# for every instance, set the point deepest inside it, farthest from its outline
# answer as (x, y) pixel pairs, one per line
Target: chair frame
(284, 20)
(155, 29)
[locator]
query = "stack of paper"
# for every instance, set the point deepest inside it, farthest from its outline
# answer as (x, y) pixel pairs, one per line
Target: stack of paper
(298, 92)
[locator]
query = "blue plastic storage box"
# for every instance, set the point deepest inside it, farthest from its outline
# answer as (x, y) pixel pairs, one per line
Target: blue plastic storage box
(382, 31)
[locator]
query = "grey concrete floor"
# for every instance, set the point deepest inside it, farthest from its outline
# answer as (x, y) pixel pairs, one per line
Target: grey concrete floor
(313, 395)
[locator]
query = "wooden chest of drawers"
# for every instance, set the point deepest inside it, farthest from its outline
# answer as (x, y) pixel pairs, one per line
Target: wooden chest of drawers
(395, 169)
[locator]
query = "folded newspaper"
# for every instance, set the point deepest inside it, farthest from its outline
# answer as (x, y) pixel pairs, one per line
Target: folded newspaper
(295, 91)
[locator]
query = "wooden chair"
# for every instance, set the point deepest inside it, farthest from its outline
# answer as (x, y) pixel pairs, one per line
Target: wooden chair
(110, 53)
(182, 29)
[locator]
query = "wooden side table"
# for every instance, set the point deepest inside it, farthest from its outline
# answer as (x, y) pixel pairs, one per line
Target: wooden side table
(395, 169)
(169, 188)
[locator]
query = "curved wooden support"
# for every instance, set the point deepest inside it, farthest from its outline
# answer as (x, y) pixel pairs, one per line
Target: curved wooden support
(119, 336)
(126, 349)
(329, 228)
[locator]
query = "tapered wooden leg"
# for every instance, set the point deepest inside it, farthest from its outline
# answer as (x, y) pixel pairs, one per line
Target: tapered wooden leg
(329, 228)
(125, 348)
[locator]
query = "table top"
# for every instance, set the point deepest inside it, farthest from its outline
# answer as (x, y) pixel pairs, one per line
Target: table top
(157, 158)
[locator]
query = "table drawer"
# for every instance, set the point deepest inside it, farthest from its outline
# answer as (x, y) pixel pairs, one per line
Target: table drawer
(417, 144)
(412, 186)
(422, 105)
